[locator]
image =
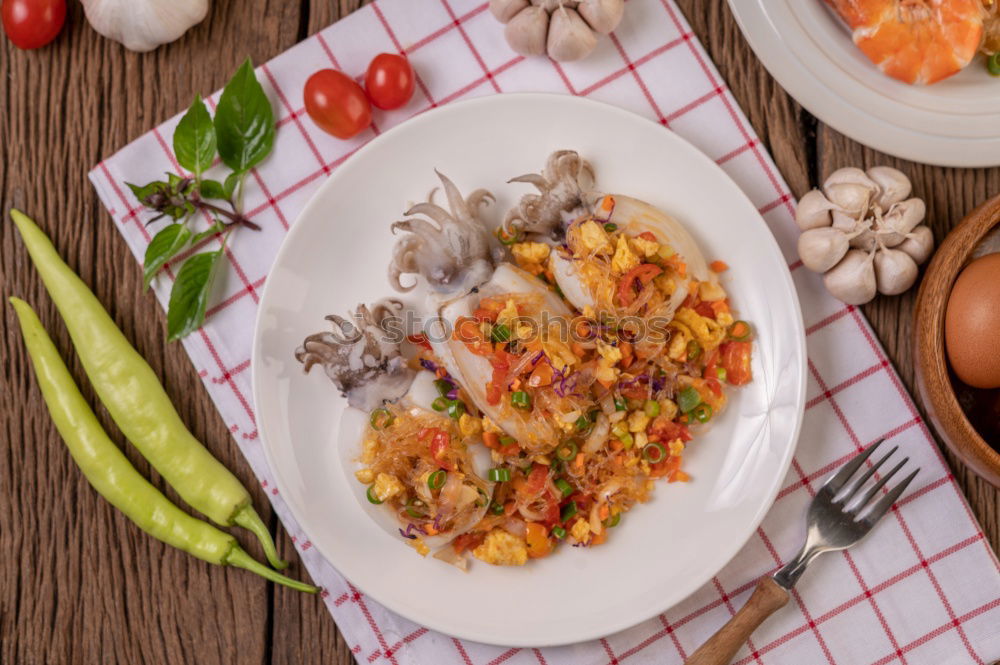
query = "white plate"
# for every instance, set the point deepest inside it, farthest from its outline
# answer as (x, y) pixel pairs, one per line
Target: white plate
(809, 51)
(335, 257)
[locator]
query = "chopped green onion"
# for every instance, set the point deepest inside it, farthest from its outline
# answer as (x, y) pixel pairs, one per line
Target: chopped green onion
(613, 521)
(506, 238)
(652, 408)
(721, 373)
(443, 387)
(520, 399)
(564, 487)
(499, 475)
(557, 465)
(619, 429)
(415, 508)
(484, 498)
(740, 331)
(567, 451)
(455, 409)
(610, 227)
(439, 403)
(437, 479)
(993, 64)
(500, 333)
(381, 418)
(621, 404)
(702, 412)
(627, 440)
(694, 350)
(496, 508)
(372, 498)
(687, 399)
(583, 422)
(559, 532)
(507, 441)
(567, 511)
(654, 452)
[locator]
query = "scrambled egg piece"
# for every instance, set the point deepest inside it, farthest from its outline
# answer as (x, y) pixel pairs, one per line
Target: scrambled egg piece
(668, 408)
(594, 237)
(508, 313)
(368, 451)
(366, 476)
(641, 440)
(557, 350)
(678, 346)
(469, 425)
(644, 247)
(637, 421)
(676, 447)
(724, 319)
(386, 486)
(610, 355)
(711, 291)
(623, 260)
(665, 284)
(420, 546)
(708, 333)
(502, 549)
(580, 530)
(530, 253)
(490, 426)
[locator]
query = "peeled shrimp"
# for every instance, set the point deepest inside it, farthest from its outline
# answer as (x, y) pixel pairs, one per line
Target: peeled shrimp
(915, 41)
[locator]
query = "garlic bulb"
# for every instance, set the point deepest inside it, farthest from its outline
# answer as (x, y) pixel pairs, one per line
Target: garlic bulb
(851, 226)
(142, 25)
(566, 30)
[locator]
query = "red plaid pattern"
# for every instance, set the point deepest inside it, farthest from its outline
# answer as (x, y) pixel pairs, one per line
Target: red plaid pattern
(925, 590)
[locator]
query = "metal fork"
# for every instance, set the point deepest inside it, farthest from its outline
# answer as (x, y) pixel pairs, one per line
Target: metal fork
(839, 516)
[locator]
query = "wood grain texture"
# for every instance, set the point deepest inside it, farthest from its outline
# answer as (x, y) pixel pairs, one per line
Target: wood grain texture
(78, 582)
(720, 648)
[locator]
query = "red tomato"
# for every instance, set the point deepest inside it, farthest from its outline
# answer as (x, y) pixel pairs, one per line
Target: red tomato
(337, 104)
(389, 81)
(33, 23)
(736, 360)
(439, 447)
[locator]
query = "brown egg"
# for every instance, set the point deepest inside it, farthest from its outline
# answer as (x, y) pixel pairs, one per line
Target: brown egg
(972, 323)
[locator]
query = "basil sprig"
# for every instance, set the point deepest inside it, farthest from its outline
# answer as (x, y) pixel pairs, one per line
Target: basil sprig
(242, 135)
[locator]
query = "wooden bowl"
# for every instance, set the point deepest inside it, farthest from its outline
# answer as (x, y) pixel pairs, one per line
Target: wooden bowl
(934, 380)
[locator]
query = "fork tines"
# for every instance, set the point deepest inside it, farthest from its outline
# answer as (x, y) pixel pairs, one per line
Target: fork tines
(843, 493)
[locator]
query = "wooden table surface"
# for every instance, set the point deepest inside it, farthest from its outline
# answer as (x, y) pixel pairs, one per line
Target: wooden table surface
(78, 582)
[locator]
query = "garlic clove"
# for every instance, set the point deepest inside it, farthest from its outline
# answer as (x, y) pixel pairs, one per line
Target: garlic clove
(902, 218)
(853, 198)
(844, 222)
(852, 281)
(850, 175)
(821, 249)
(552, 5)
(893, 185)
(505, 10)
(142, 25)
(602, 15)
(865, 240)
(895, 271)
(813, 211)
(526, 31)
(919, 244)
(570, 38)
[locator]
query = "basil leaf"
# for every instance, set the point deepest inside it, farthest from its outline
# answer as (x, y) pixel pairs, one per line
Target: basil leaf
(229, 186)
(194, 138)
(164, 246)
(244, 121)
(142, 192)
(212, 189)
(189, 295)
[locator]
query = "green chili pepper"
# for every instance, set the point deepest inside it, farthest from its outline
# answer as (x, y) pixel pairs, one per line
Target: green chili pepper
(138, 404)
(688, 398)
(113, 476)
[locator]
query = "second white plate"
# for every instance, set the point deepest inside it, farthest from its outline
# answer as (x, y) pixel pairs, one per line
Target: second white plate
(335, 256)
(810, 53)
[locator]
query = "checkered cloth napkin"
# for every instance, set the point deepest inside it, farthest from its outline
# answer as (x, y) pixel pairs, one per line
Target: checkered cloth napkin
(924, 590)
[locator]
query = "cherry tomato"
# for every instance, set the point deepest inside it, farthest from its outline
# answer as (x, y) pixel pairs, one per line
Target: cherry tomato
(389, 81)
(337, 104)
(33, 23)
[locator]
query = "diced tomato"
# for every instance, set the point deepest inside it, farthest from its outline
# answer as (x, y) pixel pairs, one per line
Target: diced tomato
(439, 446)
(664, 468)
(714, 385)
(648, 235)
(644, 273)
(627, 355)
(718, 266)
(493, 394)
(711, 361)
(485, 315)
(468, 541)
(705, 309)
(537, 537)
(491, 440)
(419, 340)
(678, 476)
(677, 264)
(533, 486)
(736, 360)
(719, 307)
(665, 429)
(467, 331)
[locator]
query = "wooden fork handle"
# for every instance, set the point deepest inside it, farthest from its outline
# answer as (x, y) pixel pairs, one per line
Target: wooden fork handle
(766, 599)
